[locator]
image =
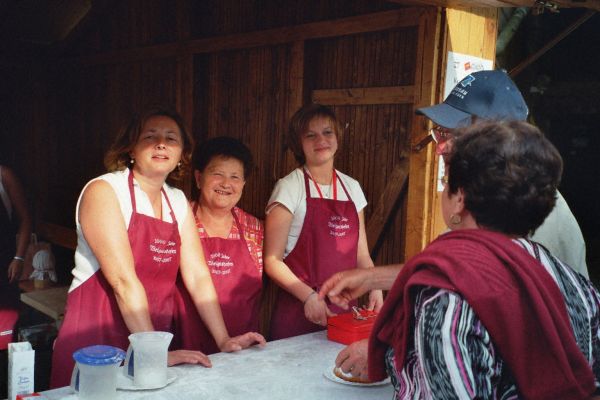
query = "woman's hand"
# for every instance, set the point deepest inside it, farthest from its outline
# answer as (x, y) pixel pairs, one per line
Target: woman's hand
(375, 300)
(316, 310)
(240, 342)
(14, 270)
(343, 287)
(353, 359)
(188, 357)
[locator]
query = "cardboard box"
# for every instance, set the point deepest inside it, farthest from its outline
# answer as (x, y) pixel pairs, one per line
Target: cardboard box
(350, 327)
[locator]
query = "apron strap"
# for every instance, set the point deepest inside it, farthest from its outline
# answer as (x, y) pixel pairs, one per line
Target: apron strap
(133, 203)
(336, 178)
(131, 192)
(235, 218)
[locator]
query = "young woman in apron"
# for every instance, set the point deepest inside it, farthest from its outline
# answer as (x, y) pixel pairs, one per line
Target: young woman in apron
(232, 244)
(14, 218)
(302, 251)
(124, 278)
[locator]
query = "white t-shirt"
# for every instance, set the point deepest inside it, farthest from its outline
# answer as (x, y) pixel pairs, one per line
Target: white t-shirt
(291, 193)
(86, 263)
(560, 233)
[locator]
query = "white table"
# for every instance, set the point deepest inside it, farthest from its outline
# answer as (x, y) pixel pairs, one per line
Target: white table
(286, 369)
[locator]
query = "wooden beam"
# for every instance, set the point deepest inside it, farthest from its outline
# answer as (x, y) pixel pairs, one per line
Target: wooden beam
(564, 33)
(388, 199)
(365, 96)
(418, 209)
(375, 22)
(470, 32)
(591, 4)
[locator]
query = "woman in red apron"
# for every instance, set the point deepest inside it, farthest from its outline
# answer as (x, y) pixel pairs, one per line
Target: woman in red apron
(124, 278)
(14, 219)
(232, 244)
(329, 237)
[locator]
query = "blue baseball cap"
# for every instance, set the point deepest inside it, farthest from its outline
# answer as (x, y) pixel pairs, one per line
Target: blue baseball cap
(489, 95)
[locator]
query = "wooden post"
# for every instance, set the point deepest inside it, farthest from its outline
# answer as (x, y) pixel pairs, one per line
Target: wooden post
(469, 31)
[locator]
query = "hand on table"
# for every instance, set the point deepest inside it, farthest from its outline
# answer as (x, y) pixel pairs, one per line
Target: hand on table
(240, 342)
(316, 310)
(188, 357)
(343, 287)
(353, 359)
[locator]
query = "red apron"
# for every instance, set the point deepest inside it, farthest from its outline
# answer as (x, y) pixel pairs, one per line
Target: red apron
(328, 243)
(93, 316)
(238, 283)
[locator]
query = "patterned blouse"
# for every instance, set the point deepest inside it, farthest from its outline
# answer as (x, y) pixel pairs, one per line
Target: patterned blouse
(452, 356)
(254, 234)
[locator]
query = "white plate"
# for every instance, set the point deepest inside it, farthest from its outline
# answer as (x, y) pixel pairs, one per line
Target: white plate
(328, 373)
(125, 383)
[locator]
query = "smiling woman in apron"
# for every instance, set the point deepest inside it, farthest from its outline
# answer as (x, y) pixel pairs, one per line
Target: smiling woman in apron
(14, 219)
(135, 232)
(232, 241)
(315, 226)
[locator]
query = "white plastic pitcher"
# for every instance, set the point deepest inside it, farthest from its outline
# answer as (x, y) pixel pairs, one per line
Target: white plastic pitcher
(146, 360)
(95, 373)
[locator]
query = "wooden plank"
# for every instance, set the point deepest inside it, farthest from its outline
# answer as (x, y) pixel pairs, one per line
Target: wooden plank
(184, 101)
(472, 32)
(372, 95)
(418, 212)
(295, 101)
(344, 26)
(592, 4)
(387, 200)
(58, 235)
(48, 301)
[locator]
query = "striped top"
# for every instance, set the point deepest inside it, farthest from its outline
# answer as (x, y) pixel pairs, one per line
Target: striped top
(254, 233)
(452, 356)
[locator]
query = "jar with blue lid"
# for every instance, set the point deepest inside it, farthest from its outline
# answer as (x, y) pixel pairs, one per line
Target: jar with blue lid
(95, 373)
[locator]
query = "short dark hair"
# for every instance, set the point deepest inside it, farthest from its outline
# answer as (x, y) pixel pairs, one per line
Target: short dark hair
(117, 157)
(509, 173)
(223, 146)
(299, 125)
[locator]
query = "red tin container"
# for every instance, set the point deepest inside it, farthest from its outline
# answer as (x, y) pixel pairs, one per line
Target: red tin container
(350, 327)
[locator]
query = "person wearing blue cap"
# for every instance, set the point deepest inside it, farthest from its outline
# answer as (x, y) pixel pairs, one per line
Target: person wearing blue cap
(493, 96)
(483, 96)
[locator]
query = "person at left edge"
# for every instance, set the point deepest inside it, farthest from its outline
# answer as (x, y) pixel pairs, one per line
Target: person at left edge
(134, 233)
(232, 240)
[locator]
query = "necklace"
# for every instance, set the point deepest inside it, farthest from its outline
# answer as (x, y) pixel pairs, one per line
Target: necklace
(331, 185)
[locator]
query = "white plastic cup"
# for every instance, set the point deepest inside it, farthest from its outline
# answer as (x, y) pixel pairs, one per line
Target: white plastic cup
(146, 360)
(95, 373)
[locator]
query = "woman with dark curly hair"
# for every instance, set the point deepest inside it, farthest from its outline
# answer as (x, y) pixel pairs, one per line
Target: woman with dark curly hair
(483, 312)
(134, 233)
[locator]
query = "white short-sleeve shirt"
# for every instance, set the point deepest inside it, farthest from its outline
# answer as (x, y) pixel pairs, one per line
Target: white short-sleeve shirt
(86, 263)
(291, 193)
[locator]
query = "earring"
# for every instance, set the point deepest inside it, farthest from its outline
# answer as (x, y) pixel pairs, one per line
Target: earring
(132, 161)
(455, 219)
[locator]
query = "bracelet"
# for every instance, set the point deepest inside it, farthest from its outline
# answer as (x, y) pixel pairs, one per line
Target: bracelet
(18, 258)
(308, 297)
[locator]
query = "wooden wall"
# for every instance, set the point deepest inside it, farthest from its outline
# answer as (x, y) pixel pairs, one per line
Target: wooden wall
(239, 69)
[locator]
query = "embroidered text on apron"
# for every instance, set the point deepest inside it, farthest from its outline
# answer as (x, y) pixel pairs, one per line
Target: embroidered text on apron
(238, 284)
(92, 314)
